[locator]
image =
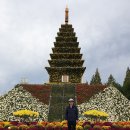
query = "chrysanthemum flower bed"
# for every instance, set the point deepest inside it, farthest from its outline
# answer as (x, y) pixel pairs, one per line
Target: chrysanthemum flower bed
(85, 92)
(26, 114)
(96, 115)
(38, 90)
(81, 125)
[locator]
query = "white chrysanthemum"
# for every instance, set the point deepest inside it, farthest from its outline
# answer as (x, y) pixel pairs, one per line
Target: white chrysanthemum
(111, 101)
(17, 99)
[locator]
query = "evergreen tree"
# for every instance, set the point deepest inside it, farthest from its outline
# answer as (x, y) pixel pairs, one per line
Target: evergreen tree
(111, 80)
(126, 84)
(92, 80)
(96, 78)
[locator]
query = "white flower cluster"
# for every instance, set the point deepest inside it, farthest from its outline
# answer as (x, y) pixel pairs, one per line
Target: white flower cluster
(18, 99)
(111, 101)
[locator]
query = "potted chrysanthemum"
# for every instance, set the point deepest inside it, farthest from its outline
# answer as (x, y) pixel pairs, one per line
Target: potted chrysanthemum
(26, 115)
(96, 115)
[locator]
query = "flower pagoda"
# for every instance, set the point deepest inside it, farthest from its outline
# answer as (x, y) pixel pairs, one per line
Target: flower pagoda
(66, 64)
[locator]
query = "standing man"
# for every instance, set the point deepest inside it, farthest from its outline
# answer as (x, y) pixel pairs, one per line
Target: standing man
(71, 115)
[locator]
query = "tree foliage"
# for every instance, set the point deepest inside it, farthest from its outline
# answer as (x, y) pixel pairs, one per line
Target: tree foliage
(96, 78)
(112, 81)
(126, 84)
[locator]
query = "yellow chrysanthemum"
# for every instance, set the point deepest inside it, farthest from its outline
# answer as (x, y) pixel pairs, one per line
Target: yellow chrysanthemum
(78, 127)
(96, 113)
(26, 113)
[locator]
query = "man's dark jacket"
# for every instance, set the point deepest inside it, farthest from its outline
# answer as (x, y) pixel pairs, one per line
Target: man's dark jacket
(71, 114)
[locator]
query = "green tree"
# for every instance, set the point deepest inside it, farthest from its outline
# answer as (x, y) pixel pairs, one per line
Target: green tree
(96, 78)
(126, 84)
(92, 80)
(111, 80)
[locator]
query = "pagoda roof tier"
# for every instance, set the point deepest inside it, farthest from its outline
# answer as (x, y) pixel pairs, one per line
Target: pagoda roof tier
(65, 70)
(66, 44)
(66, 39)
(66, 50)
(66, 63)
(66, 25)
(66, 56)
(70, 30)
(66, 34)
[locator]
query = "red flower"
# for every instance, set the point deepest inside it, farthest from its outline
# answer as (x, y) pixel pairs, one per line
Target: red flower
(41, 92)
(84, 91)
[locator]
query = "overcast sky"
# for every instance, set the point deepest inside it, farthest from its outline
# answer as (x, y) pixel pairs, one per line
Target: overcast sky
(28, 29)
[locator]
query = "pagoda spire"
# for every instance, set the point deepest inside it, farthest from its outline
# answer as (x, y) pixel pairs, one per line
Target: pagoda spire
(66, 63)
(66, 15)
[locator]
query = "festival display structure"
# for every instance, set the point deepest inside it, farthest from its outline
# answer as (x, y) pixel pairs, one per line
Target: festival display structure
(66, 64)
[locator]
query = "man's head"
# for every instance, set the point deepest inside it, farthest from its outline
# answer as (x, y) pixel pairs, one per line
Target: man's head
(71, 101)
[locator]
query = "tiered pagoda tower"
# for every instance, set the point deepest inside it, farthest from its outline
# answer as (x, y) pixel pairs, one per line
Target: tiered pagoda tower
(66, 64)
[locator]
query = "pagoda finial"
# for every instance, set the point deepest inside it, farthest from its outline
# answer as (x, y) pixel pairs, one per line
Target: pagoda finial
(66, 15)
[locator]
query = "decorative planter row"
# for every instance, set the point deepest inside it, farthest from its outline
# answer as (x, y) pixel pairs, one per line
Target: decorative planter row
(62, 129)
